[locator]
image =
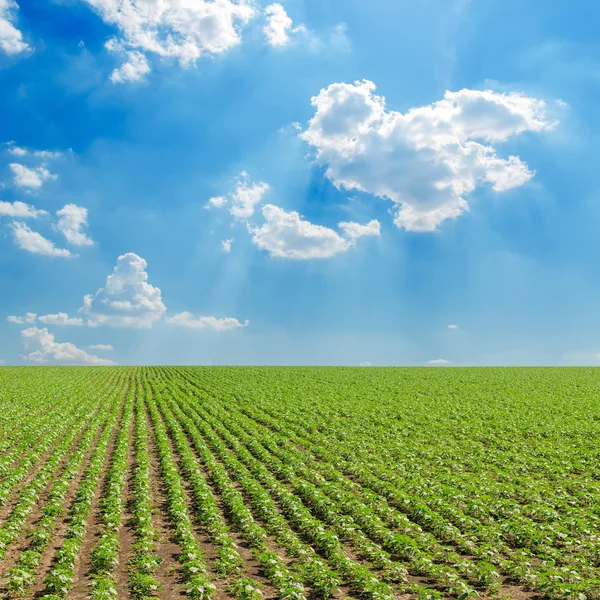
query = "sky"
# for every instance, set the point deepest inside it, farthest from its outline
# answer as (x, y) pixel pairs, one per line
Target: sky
(299, 183)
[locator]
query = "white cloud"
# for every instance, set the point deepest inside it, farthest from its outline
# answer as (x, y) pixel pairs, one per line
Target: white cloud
(365, 364)
(61, 319)
(186, 319)
(72, 219)
(286, 235)
(453, 327)
(127, 300)
(28, 318)
(33, 242)
(49, 350)
(16, 150)
(182, 30)
(354, 231)
(244, 198)
(427, 160)
(102, 347)
(30, 177)
(11, 39)
(134, 69)
(226, 245)
(217, 202)
(20, 210)
(279, 26)
(43, 154)
(2, 362)
(439, 362)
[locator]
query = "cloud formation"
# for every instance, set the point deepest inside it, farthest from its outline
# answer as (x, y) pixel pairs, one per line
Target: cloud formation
(429, 159)
(11, 39)
(186, 319)
(33, 242)
(184, 31)
(279, 27)
(127, 299)
(50, 350)
(244, 198)
(134, 69)
(61, 319)
(28, 318)
(71, 220)
(101, 347)
(30, 177)
(20, 210)
(286, 235)
(439, 362)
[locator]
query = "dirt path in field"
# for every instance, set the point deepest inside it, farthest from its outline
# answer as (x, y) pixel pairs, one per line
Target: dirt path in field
(80, 587)
(126, 535)
(168, 574)
(36, 514)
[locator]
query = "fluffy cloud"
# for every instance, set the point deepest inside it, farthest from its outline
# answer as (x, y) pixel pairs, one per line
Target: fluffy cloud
(286, 235)
(186, 319)
(34, 242)
(279, 26)
(61, 319)
(127, 299)
(43, 154)
(30, 177)
(71, 220)
(20, 210)
(102, 347)
(11, 39)
(428, 159)
(244, 198)
(28, 318)
(134, 69)
(354, 231)
(226, 244)
(439, 362)
(49, 350)
(185, 31)
(453, 327)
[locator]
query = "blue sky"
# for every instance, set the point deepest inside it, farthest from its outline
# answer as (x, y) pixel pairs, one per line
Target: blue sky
(299, 182)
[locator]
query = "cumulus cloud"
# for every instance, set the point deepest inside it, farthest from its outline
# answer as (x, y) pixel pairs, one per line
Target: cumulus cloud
(226, 245)
(354, 231)
(184, 31)
(439, 362)
(20, 210)
(71, 220)
(279, 26)
(50, 350)
(33, 177)
(61, 319)
(34, 242)
(102, 347)
(28, 318)
(286, 235)
(453, 327)
(428, 159)
(135, 68)
(186, 319)
(11, 39)
(244, 198)
(127, 299)
(43, 154)
(366, 363)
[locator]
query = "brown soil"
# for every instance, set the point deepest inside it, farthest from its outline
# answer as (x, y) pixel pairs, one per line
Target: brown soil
(81, 585)
(36, 514)
(168, 573)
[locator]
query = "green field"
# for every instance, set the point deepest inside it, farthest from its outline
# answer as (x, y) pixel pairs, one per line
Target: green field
(298, 483)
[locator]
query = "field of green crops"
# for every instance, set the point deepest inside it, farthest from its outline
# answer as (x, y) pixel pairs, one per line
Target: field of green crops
(296, 483)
